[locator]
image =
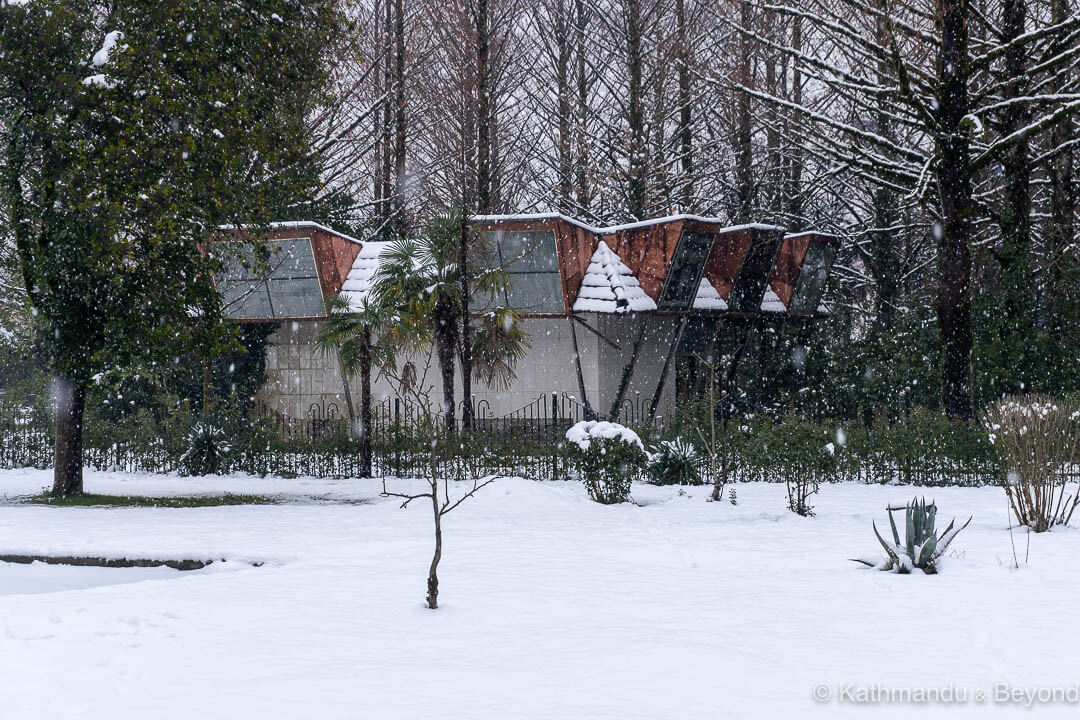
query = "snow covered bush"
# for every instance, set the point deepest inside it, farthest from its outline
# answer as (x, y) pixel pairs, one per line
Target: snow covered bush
(922, 546)
(1037, 439)
(675, 462)
(607, 457)
(207, 451)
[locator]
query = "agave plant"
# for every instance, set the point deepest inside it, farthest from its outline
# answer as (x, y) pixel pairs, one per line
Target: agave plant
(922, 546)
(675, 462)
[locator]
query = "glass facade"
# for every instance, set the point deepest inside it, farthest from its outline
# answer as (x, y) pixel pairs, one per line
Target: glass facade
(683, 277)
(749, 287)
(812, 277)
(277, 279)
(532, 267)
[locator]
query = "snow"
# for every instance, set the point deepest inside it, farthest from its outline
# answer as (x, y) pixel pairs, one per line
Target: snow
(771, 303)
(610, 287)
(39, 577)
(287, 224)
(707, 298)
(361, 278)
(610, 229)
(99, 80)
(583, 433)
(101, 57)
(552, 606)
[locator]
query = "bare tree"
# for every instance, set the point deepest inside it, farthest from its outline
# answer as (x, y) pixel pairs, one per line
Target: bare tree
(438, 493)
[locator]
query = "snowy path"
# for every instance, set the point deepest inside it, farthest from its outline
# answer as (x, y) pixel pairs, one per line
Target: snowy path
(554, 607)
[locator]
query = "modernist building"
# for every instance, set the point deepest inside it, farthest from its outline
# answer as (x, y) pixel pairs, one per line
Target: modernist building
(605, 309)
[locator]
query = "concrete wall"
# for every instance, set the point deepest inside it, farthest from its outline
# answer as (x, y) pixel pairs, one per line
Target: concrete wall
(302, 382)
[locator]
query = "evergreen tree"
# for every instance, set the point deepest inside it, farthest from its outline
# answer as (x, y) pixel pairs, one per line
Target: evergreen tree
(131, 131)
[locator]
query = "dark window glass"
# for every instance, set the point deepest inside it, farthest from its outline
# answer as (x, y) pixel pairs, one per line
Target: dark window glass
(812, 277)
(685, 272)
(532, 267)
(749, 287)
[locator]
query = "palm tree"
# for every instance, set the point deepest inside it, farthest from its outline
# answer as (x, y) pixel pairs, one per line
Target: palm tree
(421, 278)
(353, 333)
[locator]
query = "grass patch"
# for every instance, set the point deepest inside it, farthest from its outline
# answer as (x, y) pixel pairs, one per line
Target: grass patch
(183, 501)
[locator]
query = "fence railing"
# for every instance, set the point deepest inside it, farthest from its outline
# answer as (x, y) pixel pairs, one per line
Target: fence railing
(528, 442)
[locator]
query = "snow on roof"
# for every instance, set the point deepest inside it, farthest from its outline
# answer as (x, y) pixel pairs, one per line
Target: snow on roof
(284, 224)
(707, 298)
(610, 287)
(771, 303)
(526, 217)
(361, 277)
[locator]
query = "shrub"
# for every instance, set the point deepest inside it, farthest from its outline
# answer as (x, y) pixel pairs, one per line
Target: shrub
(607, 457)
(802, 454)
(1038, 443)
(207, 451)
(922, 546)
(675, 462)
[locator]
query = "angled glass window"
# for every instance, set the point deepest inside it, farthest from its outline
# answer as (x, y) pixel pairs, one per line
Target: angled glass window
(815, 271)
(277, 279)
(683, 277)
(750, 284)
(532, 267)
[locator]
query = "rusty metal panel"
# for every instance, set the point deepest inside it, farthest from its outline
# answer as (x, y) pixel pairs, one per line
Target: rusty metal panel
(757, 264)
(785, 273)
(722, 267)
(814, 271)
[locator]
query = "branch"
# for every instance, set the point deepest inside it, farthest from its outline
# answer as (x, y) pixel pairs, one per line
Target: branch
(477, 485)
(406, 497)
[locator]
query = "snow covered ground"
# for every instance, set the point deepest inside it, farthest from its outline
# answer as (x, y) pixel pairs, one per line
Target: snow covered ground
(552, 607)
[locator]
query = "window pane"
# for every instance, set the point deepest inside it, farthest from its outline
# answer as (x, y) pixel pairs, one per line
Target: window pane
(240, 299)
(815, 270)
(685, 272)
(296, 297)
(239, 261)
(749, 287)
(292, 258)
(528, 251)
(536, 292)
(284, 267)
(532, 268)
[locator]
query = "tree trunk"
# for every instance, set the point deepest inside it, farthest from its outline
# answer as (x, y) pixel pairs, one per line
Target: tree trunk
(466, 329)
(882, 265)
(954, 186)
(794, 134)
(446, 347)
(399, 117)
(637, 171)
(583, 141)
(1062, 228)
(433, 571)
(207, 386)
(365, 404)
(386, 203)
(483, 110)
(686, 132)
(1014, 219)
(562, 92)
(68, 450)
(744, 181)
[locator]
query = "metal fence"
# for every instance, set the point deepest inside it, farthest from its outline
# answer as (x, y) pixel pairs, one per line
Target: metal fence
(528, 442)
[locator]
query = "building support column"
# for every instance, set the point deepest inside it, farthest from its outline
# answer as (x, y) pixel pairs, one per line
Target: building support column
(589, 414)
(628, 371)
(667, 368)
